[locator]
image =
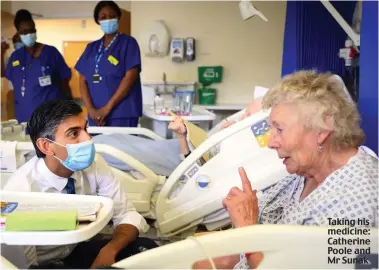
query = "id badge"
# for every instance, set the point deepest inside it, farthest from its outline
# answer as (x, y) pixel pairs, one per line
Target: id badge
(96, 78)
(113, 60)
(44, 80)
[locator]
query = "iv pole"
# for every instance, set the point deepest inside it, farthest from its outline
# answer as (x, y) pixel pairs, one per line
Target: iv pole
(345, 26)
(353, 67)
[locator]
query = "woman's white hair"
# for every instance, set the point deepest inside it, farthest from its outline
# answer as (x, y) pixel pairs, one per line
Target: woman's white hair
(324, 104)
(338, 80)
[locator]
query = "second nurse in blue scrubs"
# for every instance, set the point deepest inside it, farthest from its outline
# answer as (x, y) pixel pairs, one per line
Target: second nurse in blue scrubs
(109, 69)
(37, 71)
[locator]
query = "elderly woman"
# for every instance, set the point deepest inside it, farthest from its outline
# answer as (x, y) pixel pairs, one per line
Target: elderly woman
(316, 130)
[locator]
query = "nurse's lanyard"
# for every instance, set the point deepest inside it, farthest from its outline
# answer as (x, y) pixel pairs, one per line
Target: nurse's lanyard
(26, 66)
(100, 52)
(23, 80)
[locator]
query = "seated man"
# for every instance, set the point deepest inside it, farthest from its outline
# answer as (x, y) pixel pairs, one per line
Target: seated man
(66, 162)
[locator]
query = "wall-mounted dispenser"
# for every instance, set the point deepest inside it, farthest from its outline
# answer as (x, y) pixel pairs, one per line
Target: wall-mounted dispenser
(156, 40)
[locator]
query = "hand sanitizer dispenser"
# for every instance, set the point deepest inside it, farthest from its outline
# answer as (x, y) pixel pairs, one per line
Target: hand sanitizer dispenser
(177, 50)
(190, 49)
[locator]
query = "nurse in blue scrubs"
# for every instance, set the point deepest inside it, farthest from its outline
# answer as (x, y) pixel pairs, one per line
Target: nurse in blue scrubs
(17, 43)
(37, 71)
(109, 68)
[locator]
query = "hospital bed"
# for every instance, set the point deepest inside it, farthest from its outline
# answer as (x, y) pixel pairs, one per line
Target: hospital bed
(234, 117)
(283, 247)
(198, 199)
(300, 247)
(11, 130)
(192, 195)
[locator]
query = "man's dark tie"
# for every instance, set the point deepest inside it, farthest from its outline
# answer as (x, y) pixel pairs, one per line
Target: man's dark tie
(70, 187)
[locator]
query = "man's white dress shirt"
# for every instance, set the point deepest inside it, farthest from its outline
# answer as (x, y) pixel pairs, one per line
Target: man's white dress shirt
(98, 179)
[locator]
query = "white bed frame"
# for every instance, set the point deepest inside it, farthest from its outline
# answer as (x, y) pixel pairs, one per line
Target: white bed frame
(283, 247)
(195, 205)
(125, 130)
(11, 130)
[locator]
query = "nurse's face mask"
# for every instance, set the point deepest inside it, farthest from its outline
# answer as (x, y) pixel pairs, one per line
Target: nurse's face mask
(109, 26)
(28, 33)
(18, 45)
(108, 20)
(29, 40)
(79, 156)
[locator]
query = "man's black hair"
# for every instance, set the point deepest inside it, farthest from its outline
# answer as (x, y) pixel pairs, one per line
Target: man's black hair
(47, 117)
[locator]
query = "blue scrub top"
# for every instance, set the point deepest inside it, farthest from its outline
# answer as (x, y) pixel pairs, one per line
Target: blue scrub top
(126, 51)
(22, 63)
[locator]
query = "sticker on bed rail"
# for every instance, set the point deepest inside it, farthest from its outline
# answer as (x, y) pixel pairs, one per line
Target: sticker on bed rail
(203, 181)
(192, 171)
(261, 132)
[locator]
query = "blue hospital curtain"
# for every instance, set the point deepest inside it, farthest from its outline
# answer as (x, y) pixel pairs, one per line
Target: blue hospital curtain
(312, 37)
(368, 81)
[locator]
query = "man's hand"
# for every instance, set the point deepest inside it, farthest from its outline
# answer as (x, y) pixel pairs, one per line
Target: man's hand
(106, 257)
(242, 205)
(123, 235)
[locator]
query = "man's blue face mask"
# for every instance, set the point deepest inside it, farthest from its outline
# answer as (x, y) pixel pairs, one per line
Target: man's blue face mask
(79, 156)
(109, 26)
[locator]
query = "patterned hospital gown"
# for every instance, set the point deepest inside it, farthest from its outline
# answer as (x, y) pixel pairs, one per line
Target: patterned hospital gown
(350, 192)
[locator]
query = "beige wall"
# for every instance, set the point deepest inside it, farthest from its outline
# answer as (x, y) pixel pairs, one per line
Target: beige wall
(250, 51)
(55, 31)
(6, 6)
